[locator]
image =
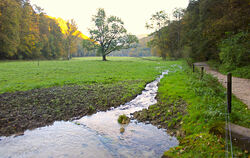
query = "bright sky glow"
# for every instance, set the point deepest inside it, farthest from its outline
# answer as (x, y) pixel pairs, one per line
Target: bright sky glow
(134, 13)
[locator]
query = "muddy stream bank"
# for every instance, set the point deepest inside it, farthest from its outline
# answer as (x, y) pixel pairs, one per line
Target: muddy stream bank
(97, 135)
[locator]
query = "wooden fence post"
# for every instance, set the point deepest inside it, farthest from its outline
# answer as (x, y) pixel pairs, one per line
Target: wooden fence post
(202, 71)
(229, 92)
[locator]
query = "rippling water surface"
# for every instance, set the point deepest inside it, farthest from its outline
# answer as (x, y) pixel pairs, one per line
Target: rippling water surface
(93, 136)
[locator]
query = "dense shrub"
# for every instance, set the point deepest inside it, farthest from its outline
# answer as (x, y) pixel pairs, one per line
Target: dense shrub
(234, 51)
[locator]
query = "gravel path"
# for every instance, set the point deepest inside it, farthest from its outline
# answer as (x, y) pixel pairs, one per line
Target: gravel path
(240, 86)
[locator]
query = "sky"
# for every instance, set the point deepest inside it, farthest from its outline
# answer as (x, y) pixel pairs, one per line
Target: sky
(134, 13)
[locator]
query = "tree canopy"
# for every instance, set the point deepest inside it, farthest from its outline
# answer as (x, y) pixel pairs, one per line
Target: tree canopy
(206, 30)
(71, 34)
(108, 35)
(26, 32)
(158, 22)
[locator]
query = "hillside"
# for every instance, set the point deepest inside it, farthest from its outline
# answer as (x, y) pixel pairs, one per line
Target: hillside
(141, 49)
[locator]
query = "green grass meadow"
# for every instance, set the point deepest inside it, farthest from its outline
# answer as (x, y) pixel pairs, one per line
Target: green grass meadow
(206, 99)
(62, 90)
(26, 75)
(98, 85)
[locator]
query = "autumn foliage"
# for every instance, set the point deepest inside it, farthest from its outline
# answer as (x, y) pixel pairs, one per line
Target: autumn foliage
(26, 32)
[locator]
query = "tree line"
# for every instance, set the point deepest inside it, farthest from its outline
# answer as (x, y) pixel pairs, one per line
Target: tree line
(206, 30)
(26, 32)
(140, 50)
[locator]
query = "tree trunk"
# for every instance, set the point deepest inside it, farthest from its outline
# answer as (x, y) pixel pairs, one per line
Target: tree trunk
(164, 57)
(104, 58)
(69, 43)
(103, 53)
(69, 54)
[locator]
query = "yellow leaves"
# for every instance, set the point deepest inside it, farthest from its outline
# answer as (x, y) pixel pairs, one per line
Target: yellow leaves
(81, 35)
(64, 28)
(62, 23)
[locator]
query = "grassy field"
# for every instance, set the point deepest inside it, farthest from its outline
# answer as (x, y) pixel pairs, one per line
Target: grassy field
(194, 110)
(26, 75)
(33, 96)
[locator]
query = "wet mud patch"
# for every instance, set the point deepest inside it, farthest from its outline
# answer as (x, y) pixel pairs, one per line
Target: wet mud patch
(165, 114)
(39, 107)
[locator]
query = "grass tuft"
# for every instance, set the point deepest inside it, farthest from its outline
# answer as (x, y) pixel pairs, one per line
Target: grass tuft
(123, 119)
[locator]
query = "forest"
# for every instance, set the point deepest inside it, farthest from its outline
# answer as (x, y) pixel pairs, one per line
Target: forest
(26, 32)
(207, 30)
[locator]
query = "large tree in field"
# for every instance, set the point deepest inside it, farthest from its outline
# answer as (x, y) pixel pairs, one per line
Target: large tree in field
(108, 35)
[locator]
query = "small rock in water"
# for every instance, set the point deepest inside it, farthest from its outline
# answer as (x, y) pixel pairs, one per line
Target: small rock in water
(147, 122)
(125, 121)
(122, 130)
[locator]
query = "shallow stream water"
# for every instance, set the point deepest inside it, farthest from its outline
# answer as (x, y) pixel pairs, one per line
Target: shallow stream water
(93, 136)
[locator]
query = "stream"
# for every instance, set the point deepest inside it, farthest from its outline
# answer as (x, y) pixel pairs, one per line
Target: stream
(95, 136)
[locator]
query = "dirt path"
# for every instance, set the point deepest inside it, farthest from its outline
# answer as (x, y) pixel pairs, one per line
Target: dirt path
(240, 86)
